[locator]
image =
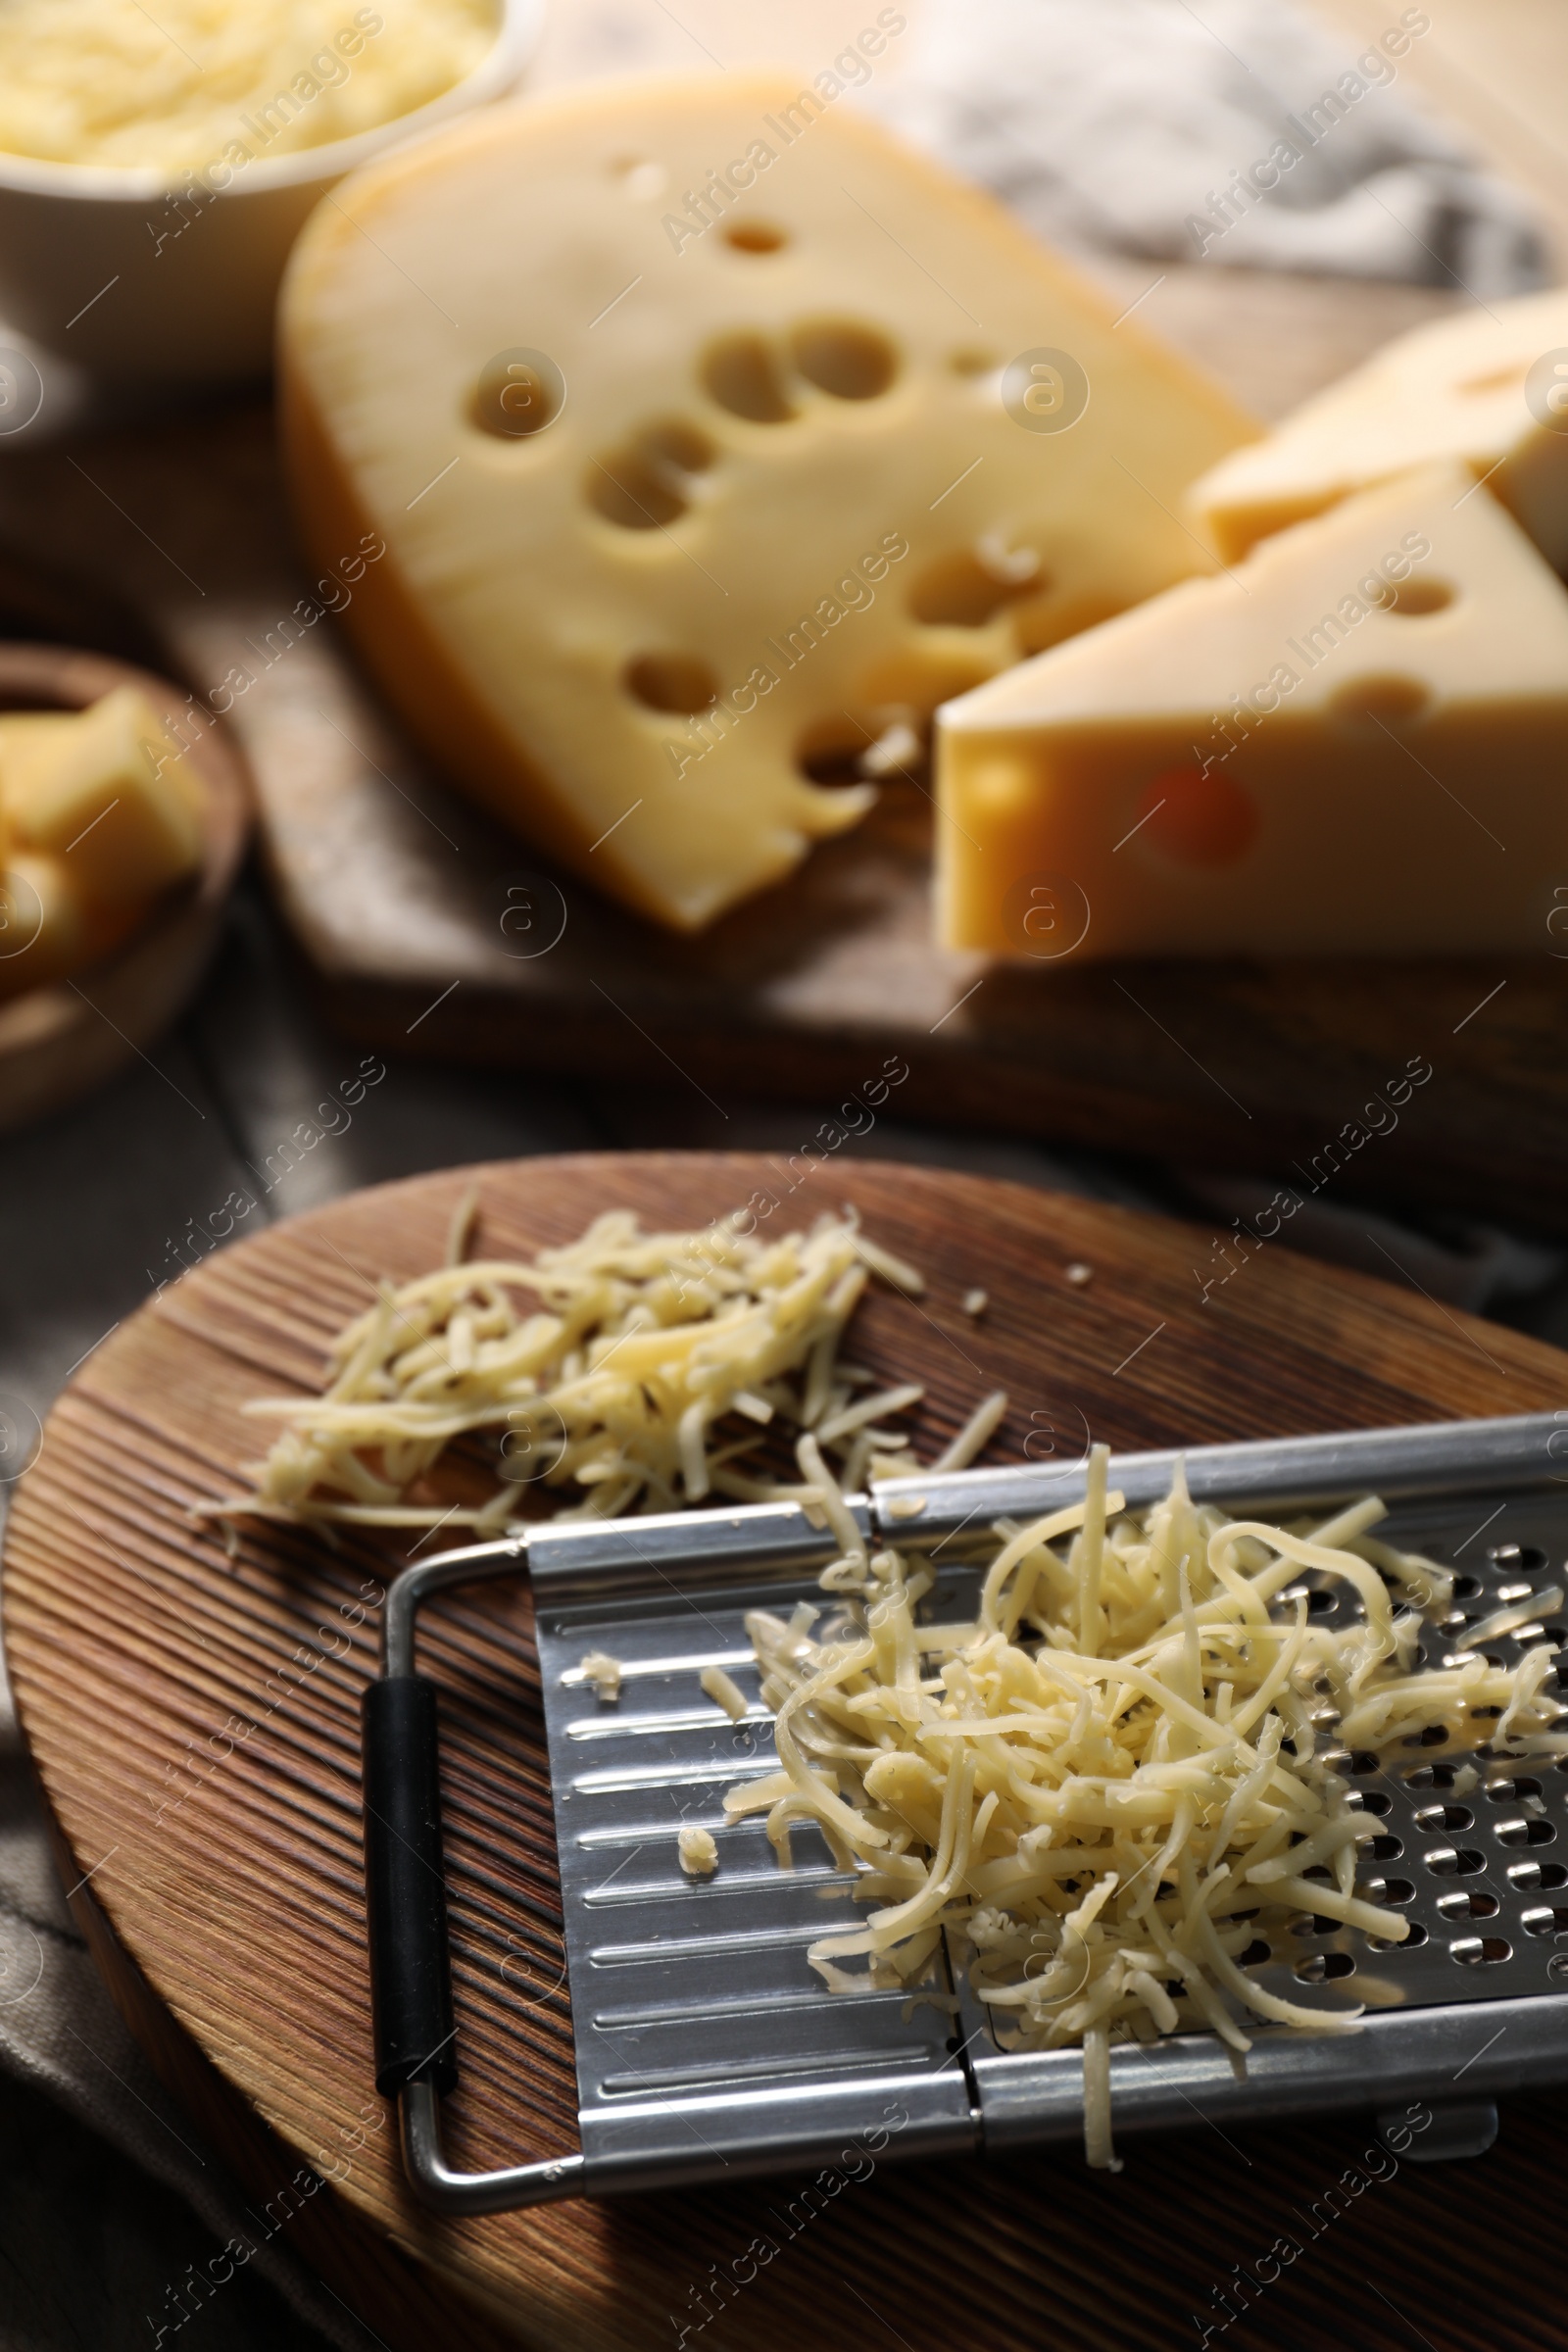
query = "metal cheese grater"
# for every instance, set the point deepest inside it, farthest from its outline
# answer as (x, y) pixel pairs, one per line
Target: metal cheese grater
(706, 2044)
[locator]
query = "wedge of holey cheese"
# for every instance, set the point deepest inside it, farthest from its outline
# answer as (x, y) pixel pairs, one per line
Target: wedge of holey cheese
(1356, 743)
(680, 410)
(1489, 389)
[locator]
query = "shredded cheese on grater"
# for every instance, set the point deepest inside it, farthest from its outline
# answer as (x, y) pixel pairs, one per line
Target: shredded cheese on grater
(641, 1378)
(603, 1673)
(723, 1691)
(1123, 1778)
(698, 1852)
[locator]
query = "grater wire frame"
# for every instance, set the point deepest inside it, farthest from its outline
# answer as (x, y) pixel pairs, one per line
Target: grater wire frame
(642, 2130)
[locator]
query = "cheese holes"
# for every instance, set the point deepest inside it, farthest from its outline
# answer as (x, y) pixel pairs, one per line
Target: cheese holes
(1385, 701)
(676, 446)
(829, 752)
(646, 483)
(969, 360)
(1414, 599)
(519, 393)
(1047, 620)
(628, 491)
(1197, 819)
(678, 682)
(960, 591)
(752, 237)
(841, 356)
(743, 376)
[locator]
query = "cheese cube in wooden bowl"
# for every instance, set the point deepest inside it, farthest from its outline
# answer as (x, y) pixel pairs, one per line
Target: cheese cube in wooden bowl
(122, 820)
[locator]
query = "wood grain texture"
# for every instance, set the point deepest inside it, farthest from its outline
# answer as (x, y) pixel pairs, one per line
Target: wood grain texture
(396, 890)
(194, 1722)
(59, 1041)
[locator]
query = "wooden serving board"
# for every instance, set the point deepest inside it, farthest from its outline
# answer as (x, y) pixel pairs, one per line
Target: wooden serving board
(194, 1723)
(428, 929)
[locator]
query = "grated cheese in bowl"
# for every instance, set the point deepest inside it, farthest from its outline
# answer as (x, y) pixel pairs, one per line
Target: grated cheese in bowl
(645, 1376)
(1115, 1780)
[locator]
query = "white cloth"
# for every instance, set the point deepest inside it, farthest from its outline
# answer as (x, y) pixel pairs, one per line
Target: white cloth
(1116, 122)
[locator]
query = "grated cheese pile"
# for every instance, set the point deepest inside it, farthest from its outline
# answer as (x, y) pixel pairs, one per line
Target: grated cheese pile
(1121, 1774)
(644, 1377)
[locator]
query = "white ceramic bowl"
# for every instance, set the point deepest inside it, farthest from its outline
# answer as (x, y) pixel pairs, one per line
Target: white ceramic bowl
(108, 268)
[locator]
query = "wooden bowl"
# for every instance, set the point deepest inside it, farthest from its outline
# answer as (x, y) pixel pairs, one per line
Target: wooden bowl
(62, 1039)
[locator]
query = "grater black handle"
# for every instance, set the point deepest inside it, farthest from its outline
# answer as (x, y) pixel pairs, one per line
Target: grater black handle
(405, 1887)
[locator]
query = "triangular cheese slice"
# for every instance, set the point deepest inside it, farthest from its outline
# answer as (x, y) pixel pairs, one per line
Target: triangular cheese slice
(1356, 743)
(1488, 389)
(823, 438)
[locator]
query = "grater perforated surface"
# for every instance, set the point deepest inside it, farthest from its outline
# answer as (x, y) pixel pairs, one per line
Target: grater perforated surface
(704, 2040)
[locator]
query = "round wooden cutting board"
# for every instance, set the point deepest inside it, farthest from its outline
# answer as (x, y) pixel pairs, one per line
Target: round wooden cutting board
(195, 1723)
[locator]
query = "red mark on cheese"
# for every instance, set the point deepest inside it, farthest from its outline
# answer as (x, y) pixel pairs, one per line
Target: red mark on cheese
(1197, 818)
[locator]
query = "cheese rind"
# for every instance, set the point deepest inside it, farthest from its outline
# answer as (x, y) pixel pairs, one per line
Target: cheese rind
(1482, 389)
(1356, 745)
(779, 506)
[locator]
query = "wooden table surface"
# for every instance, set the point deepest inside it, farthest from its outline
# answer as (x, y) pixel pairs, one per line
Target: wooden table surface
(104, 1203)
(214, 1796)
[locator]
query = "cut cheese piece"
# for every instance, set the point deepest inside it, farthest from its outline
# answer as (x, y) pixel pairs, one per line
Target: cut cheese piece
(43, 925)
(1488, 389)
(679, 408)
(31, 743)
(699, 1852)
(47, 929)
(1357, 745)
(105, 793)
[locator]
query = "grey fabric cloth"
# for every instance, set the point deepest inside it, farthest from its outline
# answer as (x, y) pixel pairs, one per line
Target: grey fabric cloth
(1147, 126)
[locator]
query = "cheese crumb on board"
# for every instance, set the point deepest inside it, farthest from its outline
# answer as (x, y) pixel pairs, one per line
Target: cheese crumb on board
(604, 1672)
(1126, 1775)
(702, 486)
(975, 1302)
(1352, 747)
(724, 1691)
(976, 1433)
(699, 1853)
(1482, 387)
(213, 85)
(620, 1382)
(1078, 1273)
